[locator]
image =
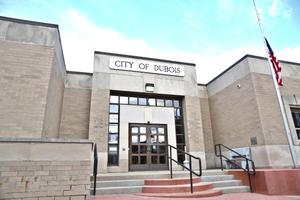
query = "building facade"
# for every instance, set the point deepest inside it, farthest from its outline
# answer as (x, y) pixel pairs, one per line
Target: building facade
(132, 106)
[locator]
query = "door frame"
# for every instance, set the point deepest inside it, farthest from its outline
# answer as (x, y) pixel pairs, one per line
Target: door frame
(154, 166)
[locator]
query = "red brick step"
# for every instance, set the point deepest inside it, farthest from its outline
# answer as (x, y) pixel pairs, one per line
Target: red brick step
(177, 181)
(201, 194)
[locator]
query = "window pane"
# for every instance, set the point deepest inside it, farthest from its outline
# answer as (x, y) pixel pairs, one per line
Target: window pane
(298, 134)
(134, 139)
(177, 112)
(143, 160)
(134, 149)
(176, 103)
(142, 101)
(124, 100)
(134, 160)
(133, 100)
(113, 108)
(113, 138)
(112, 149)
(161, 130)
(179, 130)
(153, 130)
(153, 149)
(169, 103)
(113, 128)
(153, 139)
(161, 139)
(112, 159)
(154, 159)
(113, 118)
(114, 99)
(142, 130)
(296, 118)
(143, 149)
(162, 159)
(151, 102)
(160, 102)
(143, 139)
(180, 139)
(134, 130)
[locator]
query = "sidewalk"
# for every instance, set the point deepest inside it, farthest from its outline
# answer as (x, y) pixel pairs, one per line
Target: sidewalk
(233, 196)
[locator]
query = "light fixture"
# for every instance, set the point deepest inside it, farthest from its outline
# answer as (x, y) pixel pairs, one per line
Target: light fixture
(149, 87)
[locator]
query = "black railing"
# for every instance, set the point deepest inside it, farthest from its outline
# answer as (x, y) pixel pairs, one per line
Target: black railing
(189, 168)
(249, 169)
(95, 168)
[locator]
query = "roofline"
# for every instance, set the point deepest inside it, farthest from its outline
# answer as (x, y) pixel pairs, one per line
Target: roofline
(23, 21)
(35, 23)
(240, 60)
(82, 73)
(141, 57)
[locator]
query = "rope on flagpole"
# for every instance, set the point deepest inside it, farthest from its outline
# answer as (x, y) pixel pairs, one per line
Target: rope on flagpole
(283, 113)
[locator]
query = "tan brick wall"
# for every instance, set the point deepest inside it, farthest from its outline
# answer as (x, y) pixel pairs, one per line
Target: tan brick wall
(267, 104)
(75, 113)
(34, 172)
(24, 77)
(235, 116)
(54, 99)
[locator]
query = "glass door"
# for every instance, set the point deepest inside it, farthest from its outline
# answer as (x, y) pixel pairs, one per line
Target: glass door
(147, 144)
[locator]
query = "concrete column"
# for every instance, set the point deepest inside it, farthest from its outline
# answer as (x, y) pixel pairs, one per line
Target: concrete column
(98, 129)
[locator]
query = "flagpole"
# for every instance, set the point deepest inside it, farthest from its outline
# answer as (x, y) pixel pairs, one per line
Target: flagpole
(285, 121)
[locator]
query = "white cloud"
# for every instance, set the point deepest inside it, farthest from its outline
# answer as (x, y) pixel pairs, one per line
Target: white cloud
(80, 38)
(273, 11)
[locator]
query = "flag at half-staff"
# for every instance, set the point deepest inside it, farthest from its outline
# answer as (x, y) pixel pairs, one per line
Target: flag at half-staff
(275, 64)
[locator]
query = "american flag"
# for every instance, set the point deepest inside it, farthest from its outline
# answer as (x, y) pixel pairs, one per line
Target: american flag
(275, 64)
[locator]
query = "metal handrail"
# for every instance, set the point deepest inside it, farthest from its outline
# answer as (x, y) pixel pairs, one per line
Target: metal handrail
(190, 169)
(95, 168)
(249, 172)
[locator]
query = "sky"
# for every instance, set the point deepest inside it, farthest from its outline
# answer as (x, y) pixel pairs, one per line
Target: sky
(213, 34)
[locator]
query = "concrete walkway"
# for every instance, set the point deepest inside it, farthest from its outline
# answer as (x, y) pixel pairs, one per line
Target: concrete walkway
(233, 196)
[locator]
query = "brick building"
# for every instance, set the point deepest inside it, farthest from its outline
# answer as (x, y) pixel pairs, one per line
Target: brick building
(131, 107)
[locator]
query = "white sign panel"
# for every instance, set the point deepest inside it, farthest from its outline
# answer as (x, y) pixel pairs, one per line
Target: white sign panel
(146, 66)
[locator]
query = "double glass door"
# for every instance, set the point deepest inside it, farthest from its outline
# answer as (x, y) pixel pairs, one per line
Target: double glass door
(147, 145)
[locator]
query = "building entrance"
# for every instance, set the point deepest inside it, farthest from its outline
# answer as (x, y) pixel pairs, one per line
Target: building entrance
(147, 145)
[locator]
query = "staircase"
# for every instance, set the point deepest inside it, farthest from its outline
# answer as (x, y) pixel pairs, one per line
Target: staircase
(150, 183)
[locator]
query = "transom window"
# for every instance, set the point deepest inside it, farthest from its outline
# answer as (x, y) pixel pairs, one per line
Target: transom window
(141, 100)
(296, 119)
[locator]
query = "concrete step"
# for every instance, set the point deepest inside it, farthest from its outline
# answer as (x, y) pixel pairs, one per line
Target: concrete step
(227, 183)
(119, 183)
(176, 188)
(213, 178)
(152, 175)
(234, 189)
(119, 190)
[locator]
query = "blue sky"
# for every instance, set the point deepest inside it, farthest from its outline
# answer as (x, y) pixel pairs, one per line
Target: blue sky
(211, 33)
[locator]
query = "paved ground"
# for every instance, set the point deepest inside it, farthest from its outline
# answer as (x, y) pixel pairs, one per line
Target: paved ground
(235, 196)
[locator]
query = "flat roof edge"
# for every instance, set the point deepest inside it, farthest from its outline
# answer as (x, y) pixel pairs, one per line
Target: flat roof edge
(77, 72)
(142, 57)
(23, 21)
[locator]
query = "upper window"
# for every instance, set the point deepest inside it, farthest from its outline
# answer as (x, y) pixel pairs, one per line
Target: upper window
(296, 119)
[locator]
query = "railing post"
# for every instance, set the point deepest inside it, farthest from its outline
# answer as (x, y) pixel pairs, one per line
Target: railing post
(191, 175)
(220, 154)
(171, 168)
(95, 168)
(249, 176)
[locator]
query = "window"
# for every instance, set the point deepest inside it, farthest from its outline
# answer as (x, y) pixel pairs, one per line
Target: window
(296, 119)
(116, 100)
